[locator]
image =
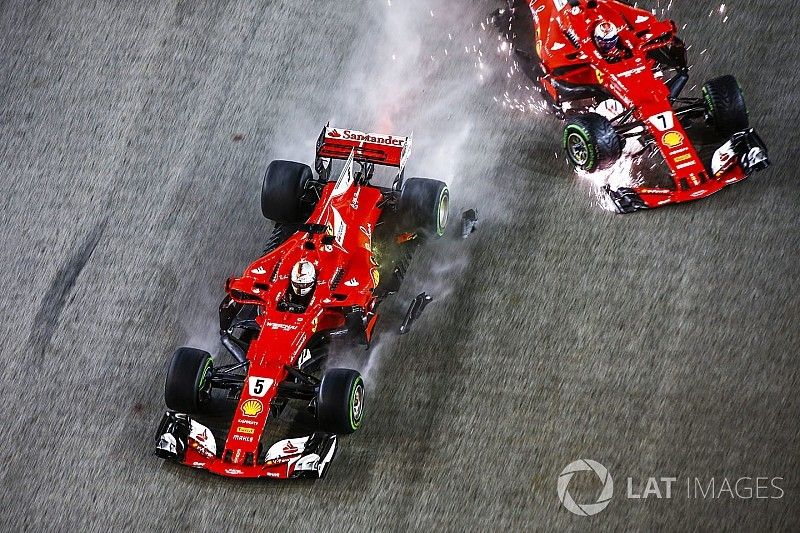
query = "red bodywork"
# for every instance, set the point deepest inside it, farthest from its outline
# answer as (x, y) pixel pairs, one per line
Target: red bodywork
(347, 275)
(566, 48)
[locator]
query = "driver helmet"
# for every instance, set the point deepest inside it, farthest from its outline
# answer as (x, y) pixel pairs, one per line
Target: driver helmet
(304, 277)
(606, 36)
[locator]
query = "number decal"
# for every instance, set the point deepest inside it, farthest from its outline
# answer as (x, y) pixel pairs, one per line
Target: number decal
(663, 121)
(258, 387)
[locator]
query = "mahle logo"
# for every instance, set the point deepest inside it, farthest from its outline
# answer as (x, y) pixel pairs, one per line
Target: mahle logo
(585, 509)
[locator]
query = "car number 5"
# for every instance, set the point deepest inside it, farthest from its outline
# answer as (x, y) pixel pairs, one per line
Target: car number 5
(258, 387)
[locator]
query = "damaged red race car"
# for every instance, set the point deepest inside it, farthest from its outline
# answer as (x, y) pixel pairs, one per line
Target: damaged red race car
(615, 74)
(337, 250)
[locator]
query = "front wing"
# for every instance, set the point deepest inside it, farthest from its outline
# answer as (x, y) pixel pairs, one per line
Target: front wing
(734, 161)
(182, 439)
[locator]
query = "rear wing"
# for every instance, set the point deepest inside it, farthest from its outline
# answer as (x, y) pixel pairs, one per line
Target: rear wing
(389, 150)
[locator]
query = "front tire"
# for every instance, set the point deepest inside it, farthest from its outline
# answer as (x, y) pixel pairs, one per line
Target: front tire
(725, 106)
(425, 206)
(188, 385)
(591, 142)
(340, 401)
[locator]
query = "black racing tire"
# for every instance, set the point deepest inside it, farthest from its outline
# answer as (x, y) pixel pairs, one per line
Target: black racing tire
(725, 106)
(591, 142)
(282, 192)
(340, 401)
(187, 387)
(425, 206)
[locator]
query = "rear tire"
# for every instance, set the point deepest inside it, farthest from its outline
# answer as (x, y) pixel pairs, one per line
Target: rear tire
(725, 106)
(591, 142)
(187, 387)
(425, 206)
(283, 190)
(340, 401)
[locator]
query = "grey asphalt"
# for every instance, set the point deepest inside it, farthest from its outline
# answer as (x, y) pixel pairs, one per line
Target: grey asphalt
(134, 136)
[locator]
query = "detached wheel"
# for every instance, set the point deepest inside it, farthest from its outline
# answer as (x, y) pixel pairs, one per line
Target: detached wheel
(283, 191)
(425, 206)
(725, 106)
(340, 401)
(188, 385)
(591, 142)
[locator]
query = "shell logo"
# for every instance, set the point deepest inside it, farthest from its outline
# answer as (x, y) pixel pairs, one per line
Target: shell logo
(252, 408)
(376, 277)
(672, 139)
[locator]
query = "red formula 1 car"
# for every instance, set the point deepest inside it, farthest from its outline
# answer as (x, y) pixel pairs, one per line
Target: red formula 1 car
(337, 250)
(615, 74)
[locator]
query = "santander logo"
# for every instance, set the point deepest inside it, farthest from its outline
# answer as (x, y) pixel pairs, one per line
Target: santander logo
(290, 448)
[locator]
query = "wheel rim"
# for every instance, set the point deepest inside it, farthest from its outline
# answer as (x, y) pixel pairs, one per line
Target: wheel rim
(204, 382)
(577, 149)
(444, 211)
(357, 405)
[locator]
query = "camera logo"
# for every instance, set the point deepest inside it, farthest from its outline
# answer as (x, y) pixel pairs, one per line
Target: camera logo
(586, 509)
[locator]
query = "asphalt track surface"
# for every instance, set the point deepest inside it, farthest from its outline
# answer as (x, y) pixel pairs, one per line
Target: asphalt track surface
(134, 137)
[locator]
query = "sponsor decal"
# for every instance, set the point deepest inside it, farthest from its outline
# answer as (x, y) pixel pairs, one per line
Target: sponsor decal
(376, 277)
(242, 438)
(314, 324)
(354, 203)
(284, 327)
(273, 474)
(645, 190)
(290, 448)
(672, 139)
(372, 138)
(201, 437)
(246, 431)
(252, 408)
(259, 387)
(233, 471)
(631, 72)
(259, 270)
(246, 422)
(353, 282)
(682, 158)
(277, 461)
(599, 76)
(197, 464)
